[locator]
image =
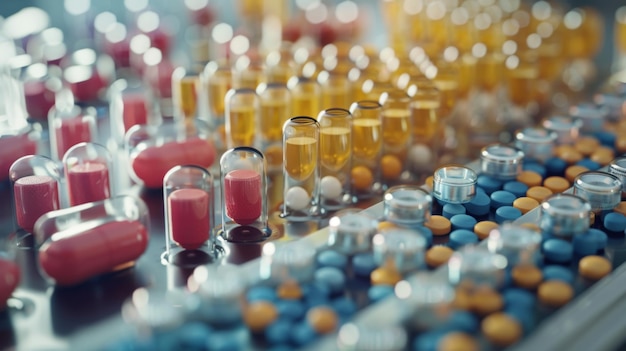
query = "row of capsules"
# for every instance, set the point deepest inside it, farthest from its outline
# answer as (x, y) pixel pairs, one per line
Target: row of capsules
(490, 294)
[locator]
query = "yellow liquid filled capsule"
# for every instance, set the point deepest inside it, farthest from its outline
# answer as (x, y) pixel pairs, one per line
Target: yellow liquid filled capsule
(300, 157)
(424, 118)
(273, 114)
(334, 147)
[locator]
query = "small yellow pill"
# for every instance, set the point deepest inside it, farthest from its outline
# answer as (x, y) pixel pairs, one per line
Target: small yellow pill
(458, 341)
(322, 319)
(527, 276)
(525, 204)
(438, 255)
(501, 330)
(555, 293)
(594, 267)
(259, 315)
(385, 276)
(529, 178)
(483, 228)
(572, 172)
(538, 193)
(439, 225)
(484, 301)
(556, 184)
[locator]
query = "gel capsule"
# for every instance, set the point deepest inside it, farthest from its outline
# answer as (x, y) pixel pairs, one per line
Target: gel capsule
(153, 151)
(189, 216)
(35, 181)
(85, 241)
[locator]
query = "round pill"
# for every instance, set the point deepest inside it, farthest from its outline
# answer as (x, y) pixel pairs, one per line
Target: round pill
(606, 138)
(602, 156)
(556, 272)
(391, 167)
(385, 276)
(524, 317)
(568, 154)
(261, 293)
(556, 184)
(594, 267)
(502, 198)
(463, 221)
(526, 276)
(439, 225)
(458, 341)
(302, 334)
(362, 178)
(450, 210)
(516, 188)
(620, 208)
(331, 258)
(483, 228)
(322, 319)
(573, 171)
(538, 193)
(620, 144)
(428, 341)
(290, 309)
(555, 293)
(258, 315)
(555, 166)
(484, 301)
(615, 222)
(289, 290)
(586, 145)
(330, 187)
(344, 306)
(589, 164)
(558, 250)
(379, 292)
(278, 332)
(479, 205)
(525, 204)
(488, 184)
(507, 214)
(536, 167)
(462, 237)
(518, 298)
(584, 244)
(531, 226)
(529, 178)
(462, 321)
(363, 264)
(297, 198)
(438, 255)
(599, 237)
(501, 330)
(332, 278)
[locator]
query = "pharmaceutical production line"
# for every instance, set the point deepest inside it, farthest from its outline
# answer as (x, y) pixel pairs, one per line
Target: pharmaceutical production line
(393, 175)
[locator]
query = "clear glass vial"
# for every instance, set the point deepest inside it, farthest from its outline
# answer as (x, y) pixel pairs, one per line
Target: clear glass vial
(301, 169)
(335, 158)
(402, 250)
(188, 199)
(477, 266)
(426, 299)
(85, 241)
(501, 161)
(351, 232)
(70, 125)
(185, 88)
(397, 134)
(407, 205)
(275, 110)
(536, 143)
(367, 145)
(305, 96)
(567, 128)
(88, 168)
(220, 289)
(454, 184)
(244, 195)
(602, 190)
(564, 215)
(518, 244)
(379, 337)
(35, 181)
(130, 105)
(618, 169)
(281, 262)
(242, 118)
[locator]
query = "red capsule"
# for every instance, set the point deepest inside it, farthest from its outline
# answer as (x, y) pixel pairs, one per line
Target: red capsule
(74, 258)
(151, 164)
(189, 217)
(242, 195)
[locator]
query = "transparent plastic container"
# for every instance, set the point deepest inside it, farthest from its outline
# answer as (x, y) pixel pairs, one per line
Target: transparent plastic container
(335, 158)
(70, 125)
(89, 240)
(88, 167)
